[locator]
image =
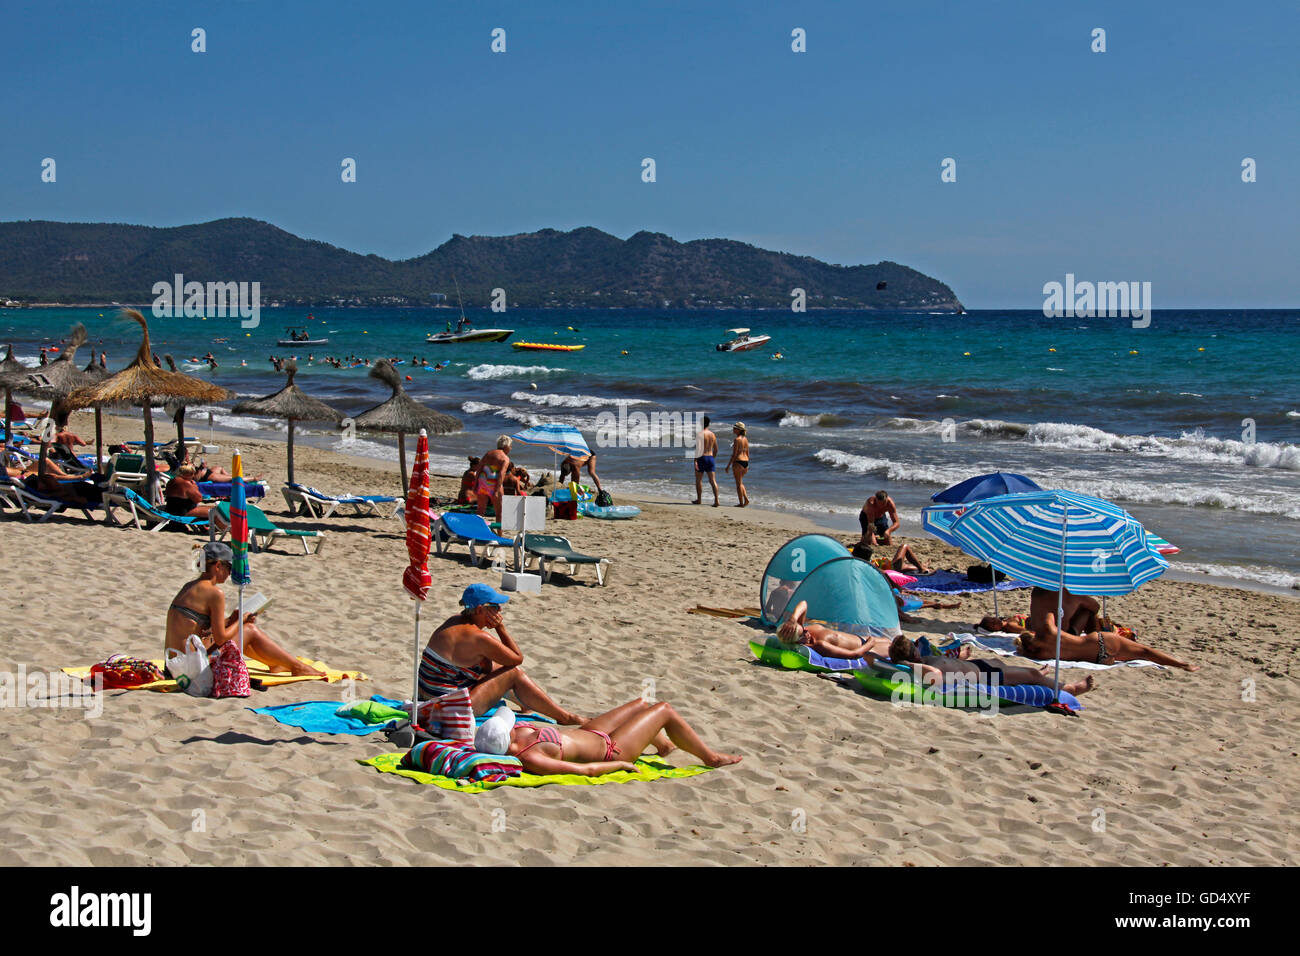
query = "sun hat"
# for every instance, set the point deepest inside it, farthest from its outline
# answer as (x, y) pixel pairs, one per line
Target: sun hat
(476, 595)
(493, 735)
(739, 426)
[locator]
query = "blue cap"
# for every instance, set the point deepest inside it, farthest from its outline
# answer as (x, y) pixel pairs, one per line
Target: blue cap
(476, 595)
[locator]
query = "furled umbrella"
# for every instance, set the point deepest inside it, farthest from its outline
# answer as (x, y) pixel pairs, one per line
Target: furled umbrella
(144, 382)
(292, 404)
(416, 578)
(1058, 540)
(401, 414)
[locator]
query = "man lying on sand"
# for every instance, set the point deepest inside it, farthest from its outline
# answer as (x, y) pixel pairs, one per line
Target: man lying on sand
(200, 608)
(829, 642)
(625, 731)
(1038, 639)
(463, 653)
(933, 669)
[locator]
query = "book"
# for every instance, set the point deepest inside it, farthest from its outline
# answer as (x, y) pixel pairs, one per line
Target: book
(255, 604)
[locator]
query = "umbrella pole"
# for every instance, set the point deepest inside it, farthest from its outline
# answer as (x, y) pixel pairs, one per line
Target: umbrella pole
(401, 455)
(99, 439)
(995, 594)
(291, 451)
(9, 438)
(151, 472)
(415, 682)
(1060, 604)
(241, 620)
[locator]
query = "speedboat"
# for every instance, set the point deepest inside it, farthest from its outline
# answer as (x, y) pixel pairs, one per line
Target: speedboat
(470, 335)
(743, 341)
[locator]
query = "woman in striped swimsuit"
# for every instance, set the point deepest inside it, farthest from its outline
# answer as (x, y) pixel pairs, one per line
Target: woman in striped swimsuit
(462, 653)
(592, 749)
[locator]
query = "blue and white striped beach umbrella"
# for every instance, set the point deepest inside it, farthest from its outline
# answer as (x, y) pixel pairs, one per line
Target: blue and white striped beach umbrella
(1058, 540)
(938, 519)
(561, 439)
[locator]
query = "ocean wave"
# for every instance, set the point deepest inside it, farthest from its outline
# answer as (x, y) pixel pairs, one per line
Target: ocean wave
(1194, 446)
(553, 400)
(818, 419)
(1263, 575)
(510, 371)
(1120, 490)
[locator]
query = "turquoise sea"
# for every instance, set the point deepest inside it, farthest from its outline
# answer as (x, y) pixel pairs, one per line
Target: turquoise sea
(1193, 424)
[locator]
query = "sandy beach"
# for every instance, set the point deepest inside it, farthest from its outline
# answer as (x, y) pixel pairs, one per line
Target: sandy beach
(1162, 768)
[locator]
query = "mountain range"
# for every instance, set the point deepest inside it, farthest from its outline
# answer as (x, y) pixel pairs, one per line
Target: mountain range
(73, 263)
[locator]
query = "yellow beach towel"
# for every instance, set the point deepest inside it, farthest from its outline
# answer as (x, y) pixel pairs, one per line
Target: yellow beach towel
(647, 768)
(256, 671)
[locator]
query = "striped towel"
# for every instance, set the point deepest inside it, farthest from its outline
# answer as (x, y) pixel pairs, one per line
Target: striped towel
(450, 717)
(447, 759)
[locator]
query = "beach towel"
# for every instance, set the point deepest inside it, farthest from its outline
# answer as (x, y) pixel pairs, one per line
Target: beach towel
(1003, 644)
(647, 768)
(954, 582)
(256, 671)
(457, 761)
(327, 717)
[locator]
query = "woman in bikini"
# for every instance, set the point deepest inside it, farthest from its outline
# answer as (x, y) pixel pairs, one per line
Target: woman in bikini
(467, 495)
(491, 468)
(739, 464)
(200, 608)
(594, 748)
(1038, 640)
(182, 496)
(462, 653)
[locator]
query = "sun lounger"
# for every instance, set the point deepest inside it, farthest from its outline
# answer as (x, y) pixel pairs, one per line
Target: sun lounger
(303, 499)
(141, 511)
(126, 471)
(14, 492)
(549, 549)
(453, 528)
(262, 530)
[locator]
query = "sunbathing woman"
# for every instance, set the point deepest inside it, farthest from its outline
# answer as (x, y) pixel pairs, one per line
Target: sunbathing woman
(462, 653)
(594, 748)
(905, 560)
(182, 496)
(934, 669)
(200, 608)
(1038, 640)
(467, 494)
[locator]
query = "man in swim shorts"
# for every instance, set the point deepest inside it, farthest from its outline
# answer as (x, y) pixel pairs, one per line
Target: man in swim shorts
(879, 516)
(706, 450)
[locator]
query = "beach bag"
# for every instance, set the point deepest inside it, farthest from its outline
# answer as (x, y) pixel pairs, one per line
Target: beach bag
(984, 574)
(604, 500)
(449, 717)
(191, 670)
(229, 672)
(122, 671)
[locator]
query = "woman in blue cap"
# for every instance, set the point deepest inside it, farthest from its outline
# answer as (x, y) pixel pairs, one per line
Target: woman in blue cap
(464, 653)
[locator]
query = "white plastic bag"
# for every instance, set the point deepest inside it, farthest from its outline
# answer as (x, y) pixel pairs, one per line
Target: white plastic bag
(191, 669)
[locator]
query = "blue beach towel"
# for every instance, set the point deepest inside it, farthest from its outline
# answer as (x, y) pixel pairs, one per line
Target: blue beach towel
(319, 717)
(953, 582)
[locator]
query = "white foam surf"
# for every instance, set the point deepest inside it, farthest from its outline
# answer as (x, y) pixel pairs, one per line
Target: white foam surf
(483, 372)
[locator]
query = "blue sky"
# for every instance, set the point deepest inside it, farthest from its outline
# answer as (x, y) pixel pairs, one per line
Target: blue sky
(1123, 165)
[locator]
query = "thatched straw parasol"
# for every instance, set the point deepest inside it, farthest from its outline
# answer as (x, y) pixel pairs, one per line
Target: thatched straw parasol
(53, 383)
(13, 378)
(402, 414)
(144, 382)
(292, 404)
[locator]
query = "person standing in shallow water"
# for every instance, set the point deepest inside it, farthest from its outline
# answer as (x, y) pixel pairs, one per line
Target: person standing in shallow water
(739, 463)
(706, 450)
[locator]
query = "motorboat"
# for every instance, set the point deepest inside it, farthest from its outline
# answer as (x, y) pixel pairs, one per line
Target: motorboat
(470, 335)
(743, 341)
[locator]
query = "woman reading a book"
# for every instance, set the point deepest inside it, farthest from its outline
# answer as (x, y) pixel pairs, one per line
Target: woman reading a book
(200, 608)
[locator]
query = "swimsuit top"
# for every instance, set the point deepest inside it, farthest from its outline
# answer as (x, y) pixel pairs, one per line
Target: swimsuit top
(199, 618)
(545, 735)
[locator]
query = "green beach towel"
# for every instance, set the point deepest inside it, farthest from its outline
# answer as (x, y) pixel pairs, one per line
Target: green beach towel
(647, 768)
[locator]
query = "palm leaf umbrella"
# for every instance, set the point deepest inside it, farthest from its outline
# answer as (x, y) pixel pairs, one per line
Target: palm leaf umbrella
(57, 380)
(402, 414)
(292, 404)
(13, 378)
(144, 382)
